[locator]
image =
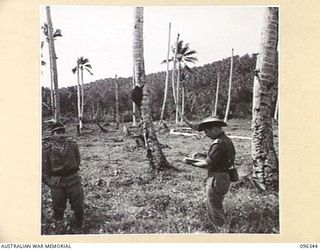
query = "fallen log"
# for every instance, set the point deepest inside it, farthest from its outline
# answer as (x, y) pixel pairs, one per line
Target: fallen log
(240, 137)
(172, 132)
(102, 128)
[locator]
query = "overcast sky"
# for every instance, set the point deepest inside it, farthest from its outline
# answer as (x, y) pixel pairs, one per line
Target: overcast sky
(104, 35)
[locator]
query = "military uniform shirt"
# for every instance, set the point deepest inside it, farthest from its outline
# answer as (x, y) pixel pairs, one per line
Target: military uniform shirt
(59, 168)
(221, 155)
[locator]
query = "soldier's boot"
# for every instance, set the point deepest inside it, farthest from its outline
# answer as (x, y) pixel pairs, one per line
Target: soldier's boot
(78, 214)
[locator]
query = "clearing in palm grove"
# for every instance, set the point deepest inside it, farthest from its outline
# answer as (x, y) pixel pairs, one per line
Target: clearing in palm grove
(149, 153)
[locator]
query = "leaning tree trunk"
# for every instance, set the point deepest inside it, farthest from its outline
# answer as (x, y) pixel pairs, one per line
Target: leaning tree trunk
(167, 78)
(156, 158)
(230, 88)
(53, 66)
(265, 161)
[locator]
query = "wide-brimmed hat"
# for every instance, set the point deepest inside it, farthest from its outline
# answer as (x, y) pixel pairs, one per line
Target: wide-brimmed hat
(57, 127)
(211, 121)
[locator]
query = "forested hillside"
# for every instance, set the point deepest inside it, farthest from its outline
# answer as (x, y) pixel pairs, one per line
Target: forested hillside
(200, 93)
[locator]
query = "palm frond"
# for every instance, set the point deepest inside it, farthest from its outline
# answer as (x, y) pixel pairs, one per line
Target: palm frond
(44, 28)
(179, 46)
(88, 66)
(89, 71)
(191, 52)
(83, 60)
(184, 49)
(57, 33)
(191, 59)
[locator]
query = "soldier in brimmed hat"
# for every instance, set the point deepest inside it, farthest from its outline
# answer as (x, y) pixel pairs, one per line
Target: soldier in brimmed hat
(218, 161)
(60, 166)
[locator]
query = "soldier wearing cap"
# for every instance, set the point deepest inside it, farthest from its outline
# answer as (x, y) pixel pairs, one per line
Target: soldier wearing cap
(60, 165)
(218, 161)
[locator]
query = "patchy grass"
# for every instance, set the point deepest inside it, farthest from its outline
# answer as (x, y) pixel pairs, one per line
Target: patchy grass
(123, 196)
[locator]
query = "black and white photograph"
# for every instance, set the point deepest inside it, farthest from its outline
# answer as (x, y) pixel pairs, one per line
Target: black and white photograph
(159, 119)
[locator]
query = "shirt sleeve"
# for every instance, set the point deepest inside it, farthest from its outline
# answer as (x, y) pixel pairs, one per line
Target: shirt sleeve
(45, 167)
(77, 153)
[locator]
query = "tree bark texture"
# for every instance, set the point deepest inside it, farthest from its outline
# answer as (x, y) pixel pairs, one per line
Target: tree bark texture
(265, 161)
(156, 158)
(134, 116)
(53, 66)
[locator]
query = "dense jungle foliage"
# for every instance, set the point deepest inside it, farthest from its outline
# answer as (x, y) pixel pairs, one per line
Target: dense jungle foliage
(200, 88)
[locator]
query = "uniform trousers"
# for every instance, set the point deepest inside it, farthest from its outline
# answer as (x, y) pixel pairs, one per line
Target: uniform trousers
(217, 186)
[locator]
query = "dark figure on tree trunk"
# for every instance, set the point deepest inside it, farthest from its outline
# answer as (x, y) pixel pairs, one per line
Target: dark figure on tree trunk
(137, 95)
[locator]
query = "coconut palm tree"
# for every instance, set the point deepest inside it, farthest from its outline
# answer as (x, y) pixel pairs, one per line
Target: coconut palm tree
(157, 160)
(56, 33)
(53, 65)
(265, 160)
(82, 64)
(183, 55)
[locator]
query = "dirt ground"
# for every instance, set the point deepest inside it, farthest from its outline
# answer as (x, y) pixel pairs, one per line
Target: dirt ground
(123, 196)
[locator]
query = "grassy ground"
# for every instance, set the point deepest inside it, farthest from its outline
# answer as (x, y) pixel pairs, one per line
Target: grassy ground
(122, 196)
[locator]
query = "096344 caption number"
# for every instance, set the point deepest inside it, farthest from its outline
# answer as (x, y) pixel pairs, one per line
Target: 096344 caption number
(308, 246)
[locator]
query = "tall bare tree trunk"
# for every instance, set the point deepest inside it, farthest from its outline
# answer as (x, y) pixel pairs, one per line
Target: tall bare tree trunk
(117, 104)
(53, 66)
(265, 160)
(182, 103)
(79, 100)
(178, 94)
(174, 70)
(230, 88)
(214, 112)
(82, 94)
(167, 78)
(157, 160)
(52, 99)
(134, 119)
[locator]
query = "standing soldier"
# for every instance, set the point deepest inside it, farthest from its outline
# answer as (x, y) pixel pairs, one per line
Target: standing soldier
(218, 161)
(60, 165)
